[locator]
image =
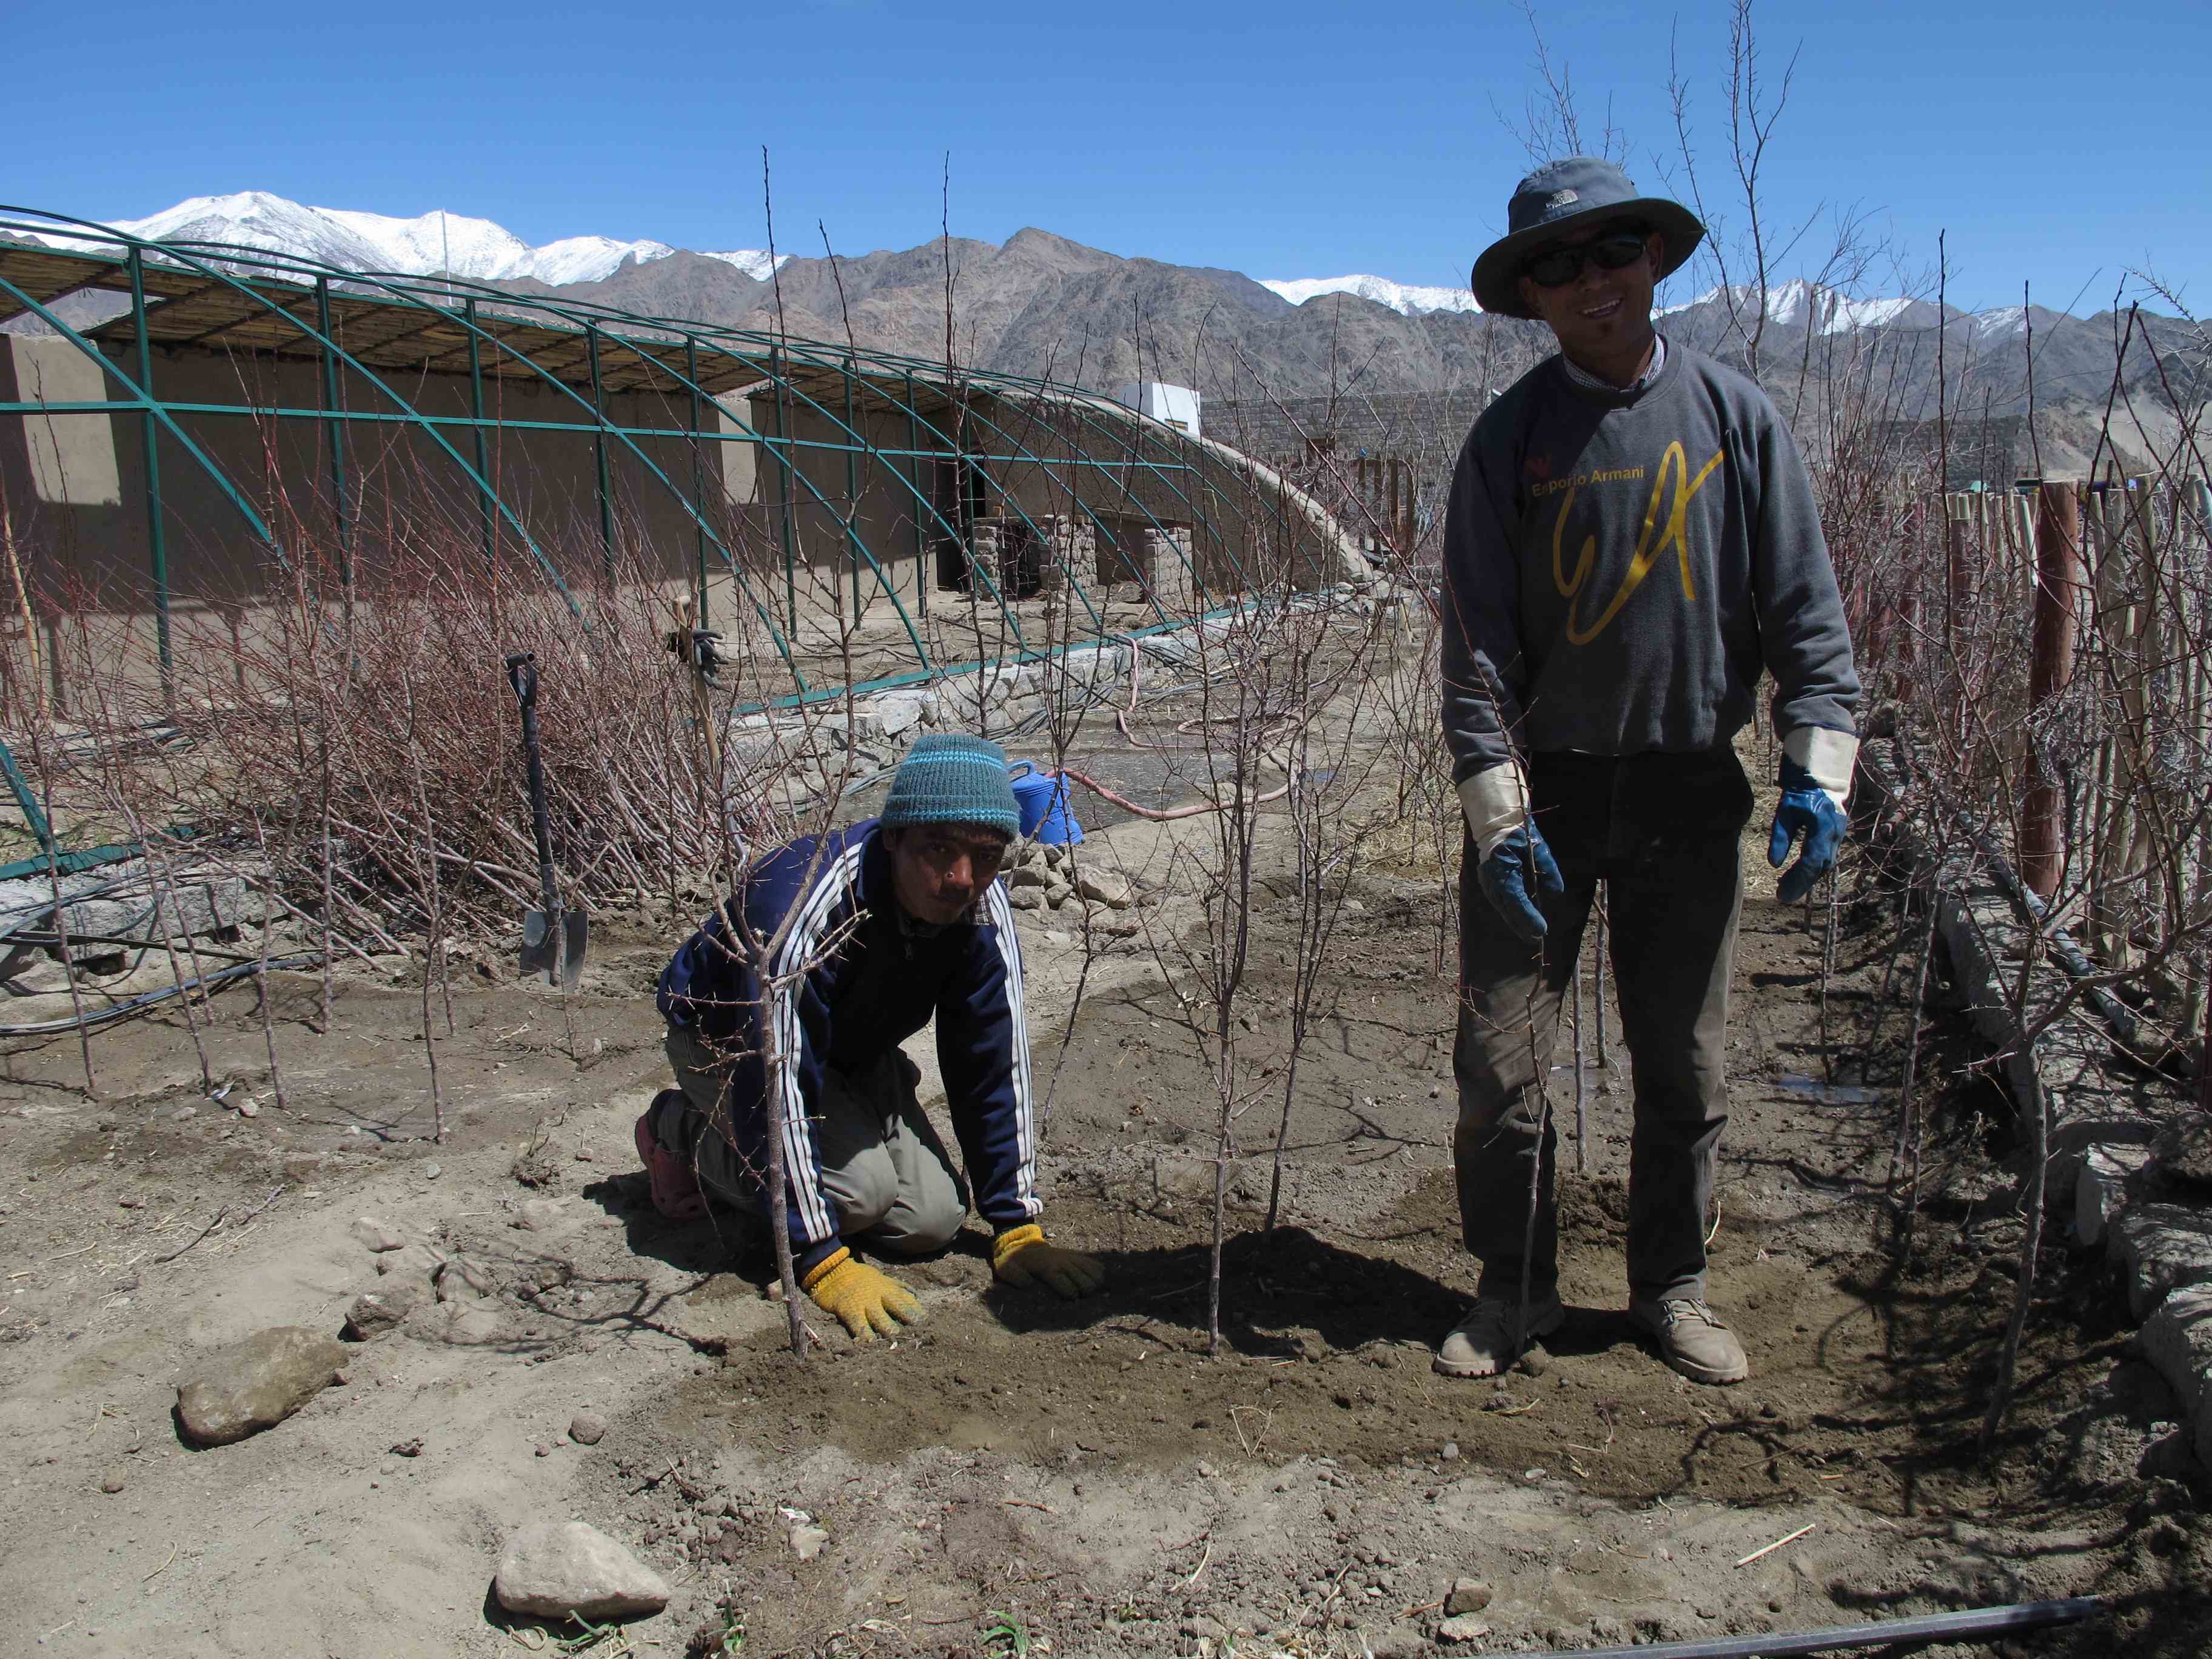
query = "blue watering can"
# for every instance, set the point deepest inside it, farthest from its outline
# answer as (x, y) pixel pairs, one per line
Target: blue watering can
(1041, 799)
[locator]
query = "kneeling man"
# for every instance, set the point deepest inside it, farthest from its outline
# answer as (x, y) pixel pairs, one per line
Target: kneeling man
(874, 931)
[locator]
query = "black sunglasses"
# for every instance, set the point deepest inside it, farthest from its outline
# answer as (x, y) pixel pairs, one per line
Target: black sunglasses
(1555, 267)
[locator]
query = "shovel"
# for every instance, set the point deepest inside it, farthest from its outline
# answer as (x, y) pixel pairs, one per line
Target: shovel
(553, 938)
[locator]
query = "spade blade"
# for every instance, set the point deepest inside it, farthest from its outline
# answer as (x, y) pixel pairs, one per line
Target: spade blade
(553, 944)
(572, 947)
(540, 945)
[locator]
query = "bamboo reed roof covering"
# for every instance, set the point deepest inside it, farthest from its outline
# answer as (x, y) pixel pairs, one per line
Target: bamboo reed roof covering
(410, 324)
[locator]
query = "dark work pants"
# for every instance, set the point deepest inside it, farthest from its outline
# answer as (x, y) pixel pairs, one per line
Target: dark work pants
(1664, 832)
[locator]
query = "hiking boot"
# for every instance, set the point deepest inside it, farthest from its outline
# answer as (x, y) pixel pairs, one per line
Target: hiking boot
(1491, 1337)
(1691, 1338)
(675, 1191)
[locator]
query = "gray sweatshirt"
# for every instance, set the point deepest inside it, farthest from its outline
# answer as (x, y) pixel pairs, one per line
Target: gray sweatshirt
(1619, 567)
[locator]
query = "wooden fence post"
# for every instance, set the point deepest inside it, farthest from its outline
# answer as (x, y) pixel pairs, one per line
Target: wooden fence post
(1959, 596)
(2058, 584)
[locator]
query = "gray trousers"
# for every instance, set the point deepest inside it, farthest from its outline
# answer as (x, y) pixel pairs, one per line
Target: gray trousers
(883, 1164)
(1664, 832)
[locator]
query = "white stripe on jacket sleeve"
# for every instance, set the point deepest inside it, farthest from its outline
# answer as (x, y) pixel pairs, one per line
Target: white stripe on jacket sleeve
(814, 911)
(1001, 913)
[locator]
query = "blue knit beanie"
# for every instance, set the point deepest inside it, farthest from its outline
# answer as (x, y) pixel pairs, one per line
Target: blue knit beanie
(948, 777)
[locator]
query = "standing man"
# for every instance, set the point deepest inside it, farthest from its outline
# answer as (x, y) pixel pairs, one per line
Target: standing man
(874, 931)
(1631, 538)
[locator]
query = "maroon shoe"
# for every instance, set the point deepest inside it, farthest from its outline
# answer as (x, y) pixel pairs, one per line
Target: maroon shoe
(676, 1191)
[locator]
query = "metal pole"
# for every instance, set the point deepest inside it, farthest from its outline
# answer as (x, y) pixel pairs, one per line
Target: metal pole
(913, 474)
(599, 456)
(335, 426)
(477, 412)
(852, 491)
(2058, 579)
(41, 831)
(156, 548)
(698, 489)
(783, 495)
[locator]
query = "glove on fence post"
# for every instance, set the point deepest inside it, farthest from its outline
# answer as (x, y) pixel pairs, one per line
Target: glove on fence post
(863, 1299)
(1816, 780)
(1021, 1257)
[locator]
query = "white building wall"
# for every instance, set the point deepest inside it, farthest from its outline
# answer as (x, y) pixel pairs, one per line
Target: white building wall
(1177, 405)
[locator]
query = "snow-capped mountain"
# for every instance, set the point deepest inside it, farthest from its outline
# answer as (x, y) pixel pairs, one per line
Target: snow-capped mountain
(435, 242)
(438, 241)
(1407, 299)
(1798, 304)
(1788, 304)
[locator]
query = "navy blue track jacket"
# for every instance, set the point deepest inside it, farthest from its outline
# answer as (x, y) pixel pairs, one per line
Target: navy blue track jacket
(873, 984)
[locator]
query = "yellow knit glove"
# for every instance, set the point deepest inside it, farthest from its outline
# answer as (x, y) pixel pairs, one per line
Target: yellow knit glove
(1020, 1256)
(863, 1299)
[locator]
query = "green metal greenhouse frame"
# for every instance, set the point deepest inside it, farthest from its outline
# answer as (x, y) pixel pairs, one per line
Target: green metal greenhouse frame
(365, 334)
(222, 298)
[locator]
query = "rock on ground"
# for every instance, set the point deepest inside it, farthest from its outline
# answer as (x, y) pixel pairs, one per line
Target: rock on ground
(256, 1384)
(417, 1261)
(461, 1325)
(1106, 887)
(588, 1428)
(2103, 1188)
(1467, 1627)
(2176, 1339)
(1466, 1595)
(2185, 1152)
(374, 1235)
(2165, 1247)
(552, 1569)
(375, 1312)
(462, 1281)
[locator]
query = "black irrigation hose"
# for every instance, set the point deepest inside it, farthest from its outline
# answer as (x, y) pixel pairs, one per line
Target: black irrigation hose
(38, 940)
(138, 1005)
(1887, 1633)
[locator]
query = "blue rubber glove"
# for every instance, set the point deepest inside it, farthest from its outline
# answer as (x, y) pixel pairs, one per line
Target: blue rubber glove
(1809, 811)
(1504, 876)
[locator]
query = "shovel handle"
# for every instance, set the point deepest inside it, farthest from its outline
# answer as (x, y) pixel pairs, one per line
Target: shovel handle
(522, 675)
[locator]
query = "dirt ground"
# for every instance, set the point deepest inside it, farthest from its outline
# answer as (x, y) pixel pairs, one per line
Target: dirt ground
(1019, 1474)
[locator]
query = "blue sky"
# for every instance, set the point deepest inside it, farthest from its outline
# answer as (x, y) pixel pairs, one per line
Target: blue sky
(2056, 147)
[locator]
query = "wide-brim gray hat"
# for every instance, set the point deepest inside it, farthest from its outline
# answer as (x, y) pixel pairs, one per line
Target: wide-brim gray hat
(1549, 200)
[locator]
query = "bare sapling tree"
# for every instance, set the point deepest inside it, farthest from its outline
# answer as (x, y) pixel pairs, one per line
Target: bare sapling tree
(268, 905)
(2070, 791)
(45, 760)
(1235, 714)
(1329, 756)
(119, 782)
(817, 744)
(433, 892)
